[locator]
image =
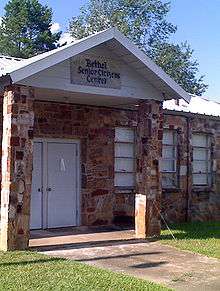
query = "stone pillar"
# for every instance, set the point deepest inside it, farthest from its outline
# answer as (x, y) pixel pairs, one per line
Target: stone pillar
(17, 155)
(148, 181)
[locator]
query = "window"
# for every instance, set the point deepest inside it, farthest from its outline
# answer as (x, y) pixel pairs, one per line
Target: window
(169, 159)
(124, 158)
(202, 163)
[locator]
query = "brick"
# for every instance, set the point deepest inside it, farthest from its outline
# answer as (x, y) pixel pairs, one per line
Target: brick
(30, 134)
(15, 141)
(99, 192)
(160, 134)
(19, 155)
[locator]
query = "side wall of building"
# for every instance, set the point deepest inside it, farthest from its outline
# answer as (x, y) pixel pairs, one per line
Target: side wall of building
(174, 200)
(205, 202)
(187, 202)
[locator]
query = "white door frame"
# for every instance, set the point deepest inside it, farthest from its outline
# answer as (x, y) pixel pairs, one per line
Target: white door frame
(44, 142)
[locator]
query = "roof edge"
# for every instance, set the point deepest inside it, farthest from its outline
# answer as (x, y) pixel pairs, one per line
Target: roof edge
(55, 56)
(152, 66)
(41, 62)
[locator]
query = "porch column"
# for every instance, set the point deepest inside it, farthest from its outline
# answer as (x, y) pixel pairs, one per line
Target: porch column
(17, 152)
(148, 181)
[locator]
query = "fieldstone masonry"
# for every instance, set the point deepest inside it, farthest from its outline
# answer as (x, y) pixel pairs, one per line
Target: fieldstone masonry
(101, 202)
(187, 202)
(17, 152)
(149, 145)
(95, 128)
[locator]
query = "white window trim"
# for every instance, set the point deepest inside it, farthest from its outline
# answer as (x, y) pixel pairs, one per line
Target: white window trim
(208, 160)
(127, 187)
(174, 160)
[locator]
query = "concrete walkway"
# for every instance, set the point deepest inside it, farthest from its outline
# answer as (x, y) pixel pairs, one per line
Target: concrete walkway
(121, 252)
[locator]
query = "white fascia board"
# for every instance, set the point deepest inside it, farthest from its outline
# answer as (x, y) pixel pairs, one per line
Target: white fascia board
(46, 60)
(152, 66)
(58, 55)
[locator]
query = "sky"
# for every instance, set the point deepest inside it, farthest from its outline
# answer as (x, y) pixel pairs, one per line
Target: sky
(198, 22)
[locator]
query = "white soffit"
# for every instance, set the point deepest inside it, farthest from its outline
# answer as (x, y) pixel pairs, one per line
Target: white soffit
(116, 41)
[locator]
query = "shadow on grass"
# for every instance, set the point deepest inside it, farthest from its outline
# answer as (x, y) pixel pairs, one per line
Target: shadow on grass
(193, 230)
(37, 261)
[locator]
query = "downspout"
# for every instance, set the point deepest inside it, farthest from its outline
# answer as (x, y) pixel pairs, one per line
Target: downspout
(188, 190)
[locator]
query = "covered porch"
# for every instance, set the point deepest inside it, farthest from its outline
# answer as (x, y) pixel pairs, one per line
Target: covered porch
(92, 128)
(51, 109)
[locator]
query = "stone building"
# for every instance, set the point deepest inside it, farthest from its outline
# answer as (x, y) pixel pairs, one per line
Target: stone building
(190, 164)
(86, 141)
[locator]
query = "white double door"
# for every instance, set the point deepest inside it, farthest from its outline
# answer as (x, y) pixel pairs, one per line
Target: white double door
(54, 197)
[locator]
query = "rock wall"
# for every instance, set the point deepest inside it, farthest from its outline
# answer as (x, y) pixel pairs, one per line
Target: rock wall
(174, 201)
(148, 178)
(204, 203)
(101, 204)
(17, 154)
(187, 202)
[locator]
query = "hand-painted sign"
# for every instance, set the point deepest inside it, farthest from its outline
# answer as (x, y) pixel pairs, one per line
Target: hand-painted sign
(95, 71)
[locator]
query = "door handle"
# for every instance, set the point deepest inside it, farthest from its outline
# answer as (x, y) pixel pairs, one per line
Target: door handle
(40, 190)
(49, 189)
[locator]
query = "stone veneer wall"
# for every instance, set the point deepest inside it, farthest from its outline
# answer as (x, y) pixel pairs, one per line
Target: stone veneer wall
(17, 153)
(101, 202)
(203, 204)
(95, 128)
(174, 201)
(149, 152)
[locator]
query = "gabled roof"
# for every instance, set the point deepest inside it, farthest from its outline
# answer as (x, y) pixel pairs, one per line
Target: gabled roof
(143, 64)
(197, 104)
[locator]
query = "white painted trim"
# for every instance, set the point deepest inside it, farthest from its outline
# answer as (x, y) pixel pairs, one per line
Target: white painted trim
(41, 62)
(151, 65)
(42, 181)
(46, 60)
(45, 142)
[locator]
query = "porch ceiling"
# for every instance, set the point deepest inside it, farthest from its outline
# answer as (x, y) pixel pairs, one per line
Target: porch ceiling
(86, 99)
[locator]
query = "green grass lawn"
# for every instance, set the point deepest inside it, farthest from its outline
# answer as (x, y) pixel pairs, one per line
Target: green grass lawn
(32, 271)
(198, 237)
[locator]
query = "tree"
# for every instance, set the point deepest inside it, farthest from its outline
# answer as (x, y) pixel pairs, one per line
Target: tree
(144, 22)
(25, 29)
(177, 61)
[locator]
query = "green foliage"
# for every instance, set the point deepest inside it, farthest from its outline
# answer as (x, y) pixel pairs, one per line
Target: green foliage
(144, 22)
(141, 20)
(197, 237)
(23, 271)
(25, 29)
(177, 61)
